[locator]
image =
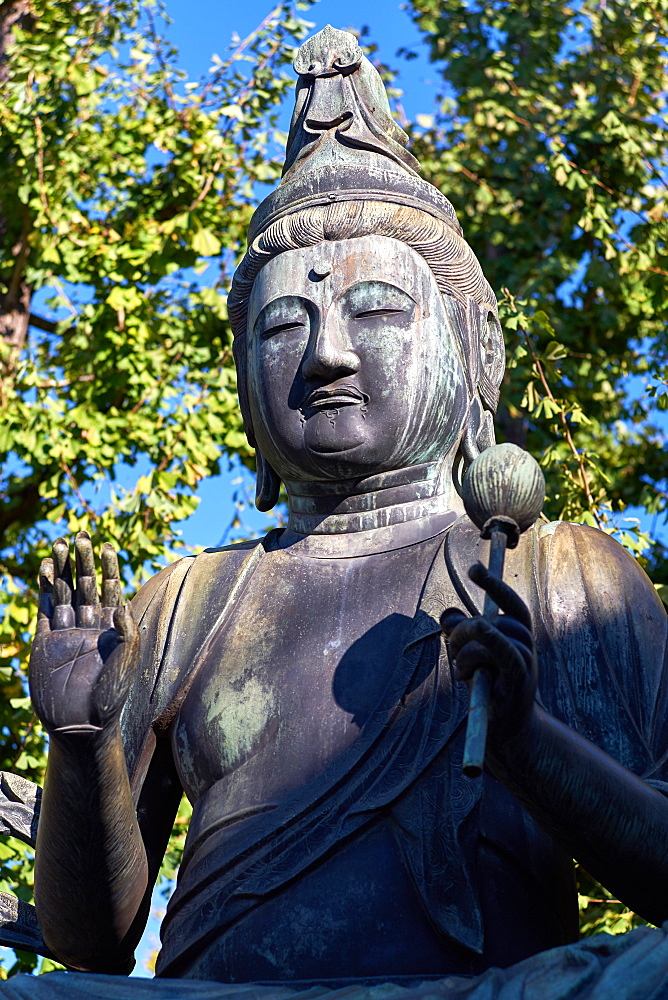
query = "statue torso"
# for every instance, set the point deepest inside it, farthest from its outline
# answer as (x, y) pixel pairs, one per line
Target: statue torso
(285, 691)
(305, 659)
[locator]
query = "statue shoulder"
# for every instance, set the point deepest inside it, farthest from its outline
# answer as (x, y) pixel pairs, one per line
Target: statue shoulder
(605, 639)
(601, 632)
(155, 587)
(577, 563)
(176, 612)
(213, 569)
(568, 567)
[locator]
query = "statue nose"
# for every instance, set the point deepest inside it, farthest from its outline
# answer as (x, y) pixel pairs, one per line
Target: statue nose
(330, 354)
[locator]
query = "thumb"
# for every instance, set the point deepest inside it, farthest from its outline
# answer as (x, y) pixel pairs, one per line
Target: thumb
(124, 624)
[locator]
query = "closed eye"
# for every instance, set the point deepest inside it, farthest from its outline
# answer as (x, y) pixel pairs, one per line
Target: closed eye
(281, 328)
(366, 313)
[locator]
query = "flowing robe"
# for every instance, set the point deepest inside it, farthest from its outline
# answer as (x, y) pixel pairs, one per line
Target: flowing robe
(601, 636)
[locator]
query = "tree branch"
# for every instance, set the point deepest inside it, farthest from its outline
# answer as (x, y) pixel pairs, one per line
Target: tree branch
(14, 321)
(12, 12)
(42, 324)
(19, 507)
(584, 479)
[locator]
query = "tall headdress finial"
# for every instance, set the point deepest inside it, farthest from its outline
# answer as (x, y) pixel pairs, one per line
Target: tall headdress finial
(344, 144)
(341, 101)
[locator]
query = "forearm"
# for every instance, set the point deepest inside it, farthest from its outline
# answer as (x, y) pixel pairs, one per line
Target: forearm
(90, 867)
(609, 819)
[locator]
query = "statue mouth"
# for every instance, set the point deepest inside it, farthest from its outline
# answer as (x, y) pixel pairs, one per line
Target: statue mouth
(334, 397)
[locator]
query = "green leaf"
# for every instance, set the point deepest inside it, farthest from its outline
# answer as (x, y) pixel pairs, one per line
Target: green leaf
(206, 243)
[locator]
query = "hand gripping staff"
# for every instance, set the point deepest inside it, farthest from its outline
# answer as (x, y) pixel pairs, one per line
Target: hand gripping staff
(503, 493)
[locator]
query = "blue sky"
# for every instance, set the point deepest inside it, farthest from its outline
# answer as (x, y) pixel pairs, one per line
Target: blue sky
(201, 27)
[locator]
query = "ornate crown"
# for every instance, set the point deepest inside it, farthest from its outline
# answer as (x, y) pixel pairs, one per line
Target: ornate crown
(344, 144)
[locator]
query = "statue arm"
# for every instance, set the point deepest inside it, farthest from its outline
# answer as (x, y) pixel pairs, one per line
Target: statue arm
(91, 869)
(612, 821)
(97, 856)
(582, 760)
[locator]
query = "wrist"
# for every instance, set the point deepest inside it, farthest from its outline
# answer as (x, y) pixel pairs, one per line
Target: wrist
(83, 737)
(511, 743)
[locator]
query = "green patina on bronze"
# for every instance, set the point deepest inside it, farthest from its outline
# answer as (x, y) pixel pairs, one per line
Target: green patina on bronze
(307, 692)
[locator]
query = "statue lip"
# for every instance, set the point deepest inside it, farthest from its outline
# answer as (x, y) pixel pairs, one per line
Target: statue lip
(339, 395)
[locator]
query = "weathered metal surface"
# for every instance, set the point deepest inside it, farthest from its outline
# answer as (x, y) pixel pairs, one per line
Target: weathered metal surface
(630, 965)
(340, 96)
(356, 373)
(19, 807)
(19, 927)
(298, 689)
(503, 493)
(507, 482)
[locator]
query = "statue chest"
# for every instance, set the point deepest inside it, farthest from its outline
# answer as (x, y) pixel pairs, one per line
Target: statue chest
(292, 679)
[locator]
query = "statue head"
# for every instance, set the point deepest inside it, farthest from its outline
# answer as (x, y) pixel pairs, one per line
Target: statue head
(366, 336)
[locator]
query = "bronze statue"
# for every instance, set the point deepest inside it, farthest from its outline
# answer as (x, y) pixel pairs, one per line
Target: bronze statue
(300, 690)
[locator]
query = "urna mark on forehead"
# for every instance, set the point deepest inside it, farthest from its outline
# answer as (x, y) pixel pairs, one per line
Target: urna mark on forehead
(323, 272)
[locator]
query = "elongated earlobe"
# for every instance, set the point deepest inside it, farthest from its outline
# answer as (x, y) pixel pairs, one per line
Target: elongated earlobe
(485, 438)
(469, 446)
(267, 486)
(478, 436)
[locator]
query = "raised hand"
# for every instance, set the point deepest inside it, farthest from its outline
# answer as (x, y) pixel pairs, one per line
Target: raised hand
(85, 651)
(503, 645)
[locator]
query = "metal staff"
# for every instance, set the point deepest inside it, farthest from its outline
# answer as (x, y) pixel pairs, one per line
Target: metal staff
(503, 493)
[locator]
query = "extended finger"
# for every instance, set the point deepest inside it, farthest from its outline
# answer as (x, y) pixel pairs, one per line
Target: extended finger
(501, 651)
(45, 608)
(63, 612)
(86, 592)
(111, 583)
(62, 567)
(85, 560)
(506, 598)
(86, 598)
(451, 618)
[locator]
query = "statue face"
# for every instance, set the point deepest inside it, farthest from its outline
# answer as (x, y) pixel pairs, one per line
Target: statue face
(354, 364)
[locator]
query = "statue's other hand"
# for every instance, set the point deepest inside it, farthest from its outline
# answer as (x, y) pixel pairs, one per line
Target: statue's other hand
(503, 645)
(85, 650)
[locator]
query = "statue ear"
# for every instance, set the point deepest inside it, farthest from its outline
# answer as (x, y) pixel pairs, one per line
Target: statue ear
(267, 485)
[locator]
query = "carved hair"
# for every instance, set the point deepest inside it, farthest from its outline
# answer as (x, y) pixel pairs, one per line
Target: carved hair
(449, 256)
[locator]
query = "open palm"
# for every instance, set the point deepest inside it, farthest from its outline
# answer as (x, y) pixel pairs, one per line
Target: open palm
(85, 650)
